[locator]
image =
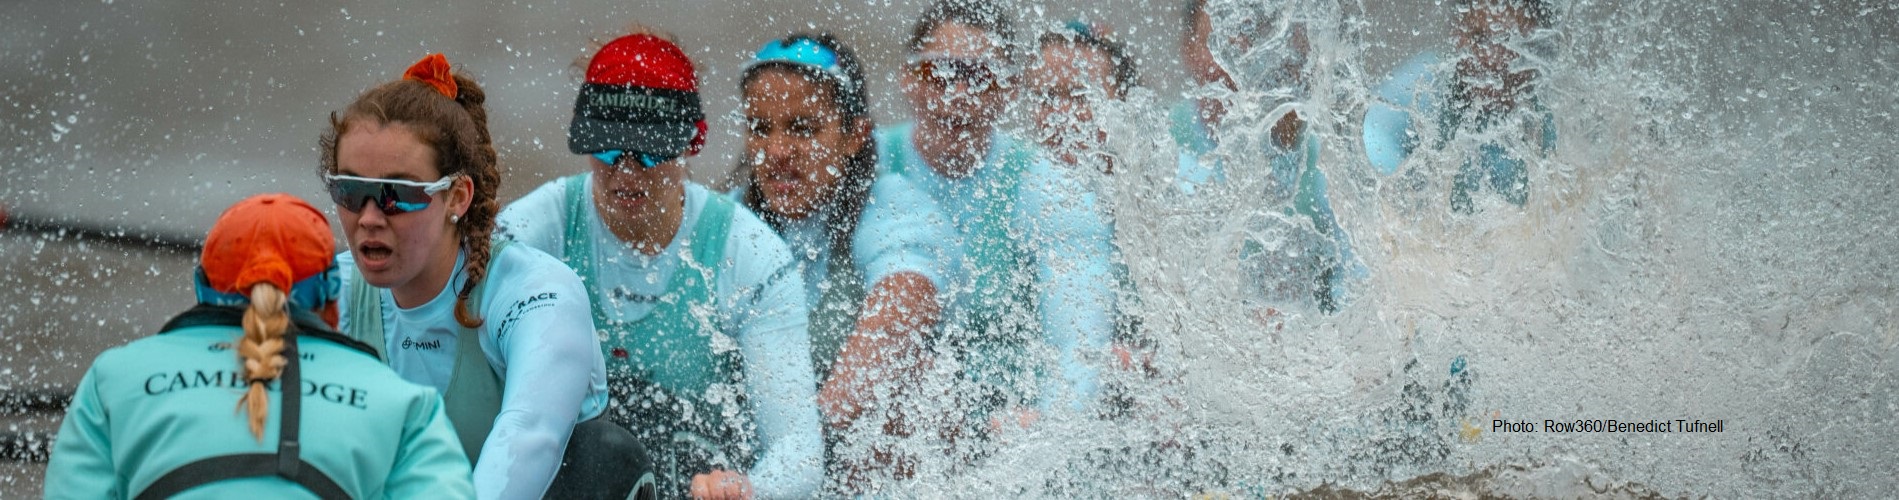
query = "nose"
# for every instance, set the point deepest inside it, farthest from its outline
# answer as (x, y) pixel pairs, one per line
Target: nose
(778, 147)
(371, 215)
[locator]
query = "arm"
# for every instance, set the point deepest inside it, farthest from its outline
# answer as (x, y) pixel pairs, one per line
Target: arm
(1389, 132)
(1314, 202)
(887, 348)
(548, 356)
(430, 462)
(770, 316)
(81, 465)
(538, 219)
(1073, 247)
(900, 249)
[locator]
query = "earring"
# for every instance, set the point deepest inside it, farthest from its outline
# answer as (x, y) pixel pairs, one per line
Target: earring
(454, 219)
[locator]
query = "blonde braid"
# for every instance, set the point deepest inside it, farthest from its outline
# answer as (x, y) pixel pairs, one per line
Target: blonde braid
(260, 352)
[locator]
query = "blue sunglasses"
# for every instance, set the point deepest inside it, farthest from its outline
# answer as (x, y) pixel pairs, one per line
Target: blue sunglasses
(612, 157)
(803, 52)
(312, 293)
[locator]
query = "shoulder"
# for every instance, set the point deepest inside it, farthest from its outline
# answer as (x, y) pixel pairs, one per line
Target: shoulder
(189, 346)
(138, 352)
(346, 263)
(749, 234)
(521, 280)
(519, 264)
(896, 204)
(539, 216)
(890, 140)
(520, 273)
(1417, 74)
(1042, 182)
(893, 136)
(891, 189)
(1183, 122)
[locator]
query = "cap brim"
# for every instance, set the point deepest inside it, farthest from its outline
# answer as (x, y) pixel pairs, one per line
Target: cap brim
(589, 135)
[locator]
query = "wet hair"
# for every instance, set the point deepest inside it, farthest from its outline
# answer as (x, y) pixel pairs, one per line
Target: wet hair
(260, 351)
(859, 171)
(1126, 75)
(458, 131)
(984, 15)
(1190, 15)
(1541, 12)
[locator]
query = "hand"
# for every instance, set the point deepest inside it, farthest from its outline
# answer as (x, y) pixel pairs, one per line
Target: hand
(1270, 318)
(1023, 417)
(1288, 130)
(721, 485)
(1132, 358)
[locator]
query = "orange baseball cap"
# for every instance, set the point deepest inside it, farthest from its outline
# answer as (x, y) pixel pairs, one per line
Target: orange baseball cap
(269, 238)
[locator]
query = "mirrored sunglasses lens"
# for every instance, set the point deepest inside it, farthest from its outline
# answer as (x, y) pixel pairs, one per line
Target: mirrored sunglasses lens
(391, 198)
(650, 160)
(609, 157)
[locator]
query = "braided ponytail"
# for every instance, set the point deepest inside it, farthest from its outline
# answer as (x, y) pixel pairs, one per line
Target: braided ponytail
(457, 128)
(478, 224)
(260, 351)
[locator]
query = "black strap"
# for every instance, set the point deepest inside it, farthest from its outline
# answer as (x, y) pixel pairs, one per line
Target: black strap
(306, 324)
(238, 466)
(286, 463)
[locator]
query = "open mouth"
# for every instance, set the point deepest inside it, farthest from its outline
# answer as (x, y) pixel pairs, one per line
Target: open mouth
(373, 252)
(782, 179)
(628, 197)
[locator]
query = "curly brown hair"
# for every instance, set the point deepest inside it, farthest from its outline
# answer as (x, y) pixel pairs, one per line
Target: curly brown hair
(458, 131)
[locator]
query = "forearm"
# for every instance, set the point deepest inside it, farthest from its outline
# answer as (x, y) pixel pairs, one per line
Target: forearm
(779, 380)
(550, 360)
(521, 455)
(887, 348)
(1078, 319)
(1076, 293)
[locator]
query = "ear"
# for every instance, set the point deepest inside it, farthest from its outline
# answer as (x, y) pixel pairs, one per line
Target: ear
(463, 195)
(911, 86)
(857, 135)
(698, 139)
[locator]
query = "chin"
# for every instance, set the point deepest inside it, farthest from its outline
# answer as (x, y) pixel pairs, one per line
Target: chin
(380, 279)
(786, 208)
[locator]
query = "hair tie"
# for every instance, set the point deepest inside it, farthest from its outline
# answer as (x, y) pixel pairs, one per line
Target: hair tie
(433, 70)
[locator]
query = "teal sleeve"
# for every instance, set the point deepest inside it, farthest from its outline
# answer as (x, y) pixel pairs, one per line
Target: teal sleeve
(430, 462)
(903, 230)
(1390, 128)
(81, 465)
(1073, 247)
(767, 286)
(1315, 203)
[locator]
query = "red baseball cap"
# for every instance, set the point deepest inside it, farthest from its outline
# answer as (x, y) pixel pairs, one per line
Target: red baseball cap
(641, 94)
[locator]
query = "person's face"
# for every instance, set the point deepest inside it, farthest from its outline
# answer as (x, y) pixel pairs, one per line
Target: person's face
(1198, 57)
(414, 249)
(1482, 32)
(628, 193)
(797, 140)
(959, 79)
(1066, 83)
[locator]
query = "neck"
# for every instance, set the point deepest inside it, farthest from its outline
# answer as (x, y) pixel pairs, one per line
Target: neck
(649, 235)
(1211, 112)
(433, 279)
(952, 152)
